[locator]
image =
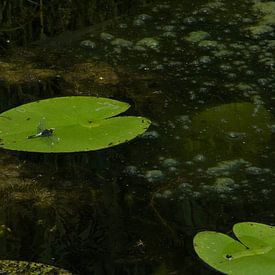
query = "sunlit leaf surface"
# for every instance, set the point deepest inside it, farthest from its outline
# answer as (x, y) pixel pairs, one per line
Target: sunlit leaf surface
(78, 123)
(254, 253)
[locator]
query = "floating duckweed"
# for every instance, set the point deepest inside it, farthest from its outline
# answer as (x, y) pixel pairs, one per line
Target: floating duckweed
(148, 42)
(184, 119)
(139, 49)
(190, 20)
(123, 26)
(237, 46)
(263, 81)
(131, 170)
(225, 67)
(224, 168)
(253, 170)
(199, 158)
(244, 87)
(167, 194)
(260, 30)
(208, 44)
(154, 175)
(168, 28)
(254, 48)
(88, 44)
(170, 163)
(106, 36)
(144, 17)
(197, 36)
(205, 59)
(138, 22)
(224, 185)
(217, 4)
(169, 34)
(223, 53)
(122, 43)
(271, 44)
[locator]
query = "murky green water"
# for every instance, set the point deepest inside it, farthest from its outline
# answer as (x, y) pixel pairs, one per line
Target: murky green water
(204, 74)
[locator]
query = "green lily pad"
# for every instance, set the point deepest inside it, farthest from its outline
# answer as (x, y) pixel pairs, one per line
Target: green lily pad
(253, 254)
(79, 123)
(235, 130)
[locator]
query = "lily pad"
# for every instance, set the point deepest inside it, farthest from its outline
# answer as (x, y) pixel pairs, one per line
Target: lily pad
(235, 130)
(79, 123)
(253, 253)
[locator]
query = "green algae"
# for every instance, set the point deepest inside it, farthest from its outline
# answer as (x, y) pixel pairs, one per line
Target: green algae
(23, 267)
(223, 53)
(148, 42)
(260, 30)
(20, 72)
(266, 20)
(197, 36)
(209, 44)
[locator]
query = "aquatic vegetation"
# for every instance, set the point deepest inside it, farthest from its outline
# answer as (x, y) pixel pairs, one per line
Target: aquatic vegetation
(236, 130)
(251, 253)
(225, 168)
(223, 185)
(123, 43)
(148, 42)
(169, 162)
(83, 75)
(154, 175)
(23, 267)
(106, 36)
(203, 172)
(197, 36)
(77, 123)
(20, 72)
(88, 44)
(267, 19)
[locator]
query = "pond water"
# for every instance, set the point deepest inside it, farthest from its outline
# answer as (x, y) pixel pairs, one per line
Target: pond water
(204, 74)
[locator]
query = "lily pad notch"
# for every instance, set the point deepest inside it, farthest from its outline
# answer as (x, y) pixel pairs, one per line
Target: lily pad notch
(77, 123)
(253, 253)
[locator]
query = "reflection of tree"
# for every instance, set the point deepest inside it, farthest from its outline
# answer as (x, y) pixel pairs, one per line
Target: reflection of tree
(28, 20)
(50, 225)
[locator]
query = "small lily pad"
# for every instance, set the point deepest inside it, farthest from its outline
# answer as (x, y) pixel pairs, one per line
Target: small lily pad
(253, 253)
(79, 123)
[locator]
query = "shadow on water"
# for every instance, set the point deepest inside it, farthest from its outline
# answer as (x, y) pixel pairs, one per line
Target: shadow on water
(203, 73)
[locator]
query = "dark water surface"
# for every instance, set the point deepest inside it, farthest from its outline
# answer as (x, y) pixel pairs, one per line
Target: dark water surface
(204, 74)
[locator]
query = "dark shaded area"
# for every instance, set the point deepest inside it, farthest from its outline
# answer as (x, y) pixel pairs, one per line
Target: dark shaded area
(24, 21)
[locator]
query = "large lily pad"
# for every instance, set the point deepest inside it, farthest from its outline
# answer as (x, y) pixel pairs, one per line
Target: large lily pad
(235, 130)
(253, 254)
(80, 124)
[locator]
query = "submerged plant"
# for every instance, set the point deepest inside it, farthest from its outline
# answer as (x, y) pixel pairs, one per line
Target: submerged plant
(23, 267)
(252, 253)
(68, 124)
